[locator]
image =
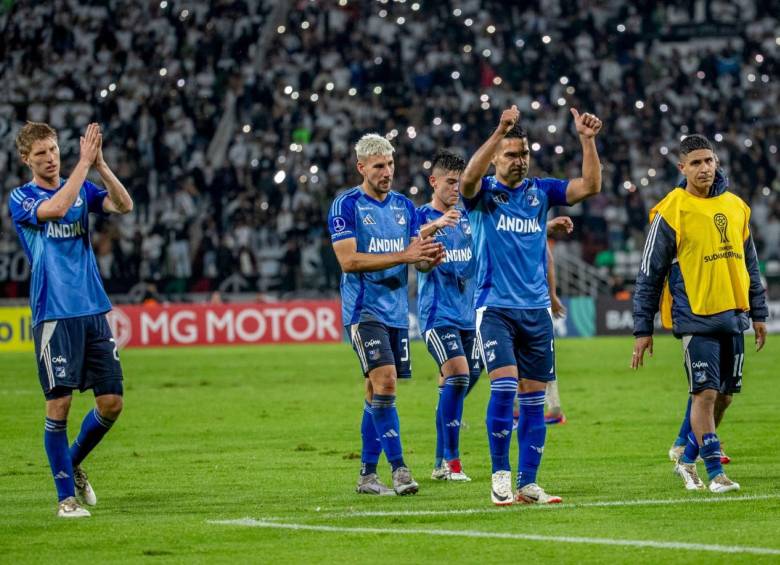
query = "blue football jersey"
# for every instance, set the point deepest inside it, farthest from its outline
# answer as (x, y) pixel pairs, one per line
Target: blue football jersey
(378, 227)
(510, 234)
(65, 280)
(445, 294)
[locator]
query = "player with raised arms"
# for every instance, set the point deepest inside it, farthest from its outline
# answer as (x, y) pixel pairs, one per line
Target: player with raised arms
(700, 263)
(508, 214)
(375, 237)
(74, 346)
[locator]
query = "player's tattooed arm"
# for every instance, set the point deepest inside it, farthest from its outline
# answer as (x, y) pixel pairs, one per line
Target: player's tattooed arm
(58, 205)
(118, 200)
(352, 261)
(449, 219)
(480, 161)
(588, 126)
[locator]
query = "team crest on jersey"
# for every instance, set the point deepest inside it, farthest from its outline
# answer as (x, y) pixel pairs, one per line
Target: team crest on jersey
(400, 218)
(78, 202)
(501, 198)
(368, 220)
(28, 204)
(465, 226)
(532, 198)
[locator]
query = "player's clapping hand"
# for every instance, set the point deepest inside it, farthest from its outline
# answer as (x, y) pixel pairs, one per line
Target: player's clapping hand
(641, 344)
(90, 143)
(449, 219)
(587, 125)
(423, 249)
(509, 118)
(560, 225)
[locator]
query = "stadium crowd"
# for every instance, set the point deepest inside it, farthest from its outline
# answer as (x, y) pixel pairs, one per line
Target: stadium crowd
(159, 76)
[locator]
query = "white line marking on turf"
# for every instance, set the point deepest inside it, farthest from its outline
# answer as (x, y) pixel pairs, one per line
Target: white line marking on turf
(522, 507)
(252, 523)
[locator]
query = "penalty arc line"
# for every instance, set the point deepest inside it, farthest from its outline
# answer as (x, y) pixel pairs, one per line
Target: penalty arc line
(252, 523)
(525, 507)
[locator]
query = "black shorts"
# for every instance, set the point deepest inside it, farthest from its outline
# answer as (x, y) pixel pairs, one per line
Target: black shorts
(447, 342)
(378, 345)
(77, 353)
(714, 362)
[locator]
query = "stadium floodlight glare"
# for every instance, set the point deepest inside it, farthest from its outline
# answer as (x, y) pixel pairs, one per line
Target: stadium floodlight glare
(766, 191)
(426, 165)
(627, 184)
(644, 181)
(314, 179)
(535, 146)
(570, 90)
(247, 128)
(546, 39)
(184, 15)
(564, 80)
(561, 101)
(455, 75)
(415, 7)
(491, 28)
(342, 2)
(467, 48)
(621, 28)
(330, 86)
(413, 190)
(497, 80)
(651, 172)
(552, 128)
(295, 95)
(281, 29)
(181, 82)
(484, 98)
(486, 52)
(748, 142)
(394, 132)
(718, 137)
(352, 91)
(288, 89)
(314, 169)
(664, 107)
(639, 104)
(701, 75)
(773, 149)
(163, 4)
(468, 22)
(682, 137)
(305, 24)
(377, 90)
(163, 72)
(314, 97)
(382, 13)
(519, 43)
(112, 87)
(485, 105)
(264, 205)
(457, 12)
(559, 149)
(255, 162)
(103, 93)
(401, 20)
(751, 77)
(759, 58)
(279, 177)
(437, 121)
(303, 179)
(764, 78)
(664, 150)
(535, 105)
(456, 127)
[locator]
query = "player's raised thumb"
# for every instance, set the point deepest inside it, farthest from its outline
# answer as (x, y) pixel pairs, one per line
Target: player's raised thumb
(574, 113)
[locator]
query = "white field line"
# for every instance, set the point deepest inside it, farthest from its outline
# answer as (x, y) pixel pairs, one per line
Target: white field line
(601, 504)
(252, 523)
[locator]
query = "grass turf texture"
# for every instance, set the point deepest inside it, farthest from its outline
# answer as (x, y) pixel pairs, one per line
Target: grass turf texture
(272, 433)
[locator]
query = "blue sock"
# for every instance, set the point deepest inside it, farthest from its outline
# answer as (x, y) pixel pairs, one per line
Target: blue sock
(93, 428)
(452, 411)
(439, 432)
(710, 452)
(55, 440)
(499, 421)
(531, 433)
(691, 450)
(389, 429)
(372, 447)
(685, 427)
(473, 378)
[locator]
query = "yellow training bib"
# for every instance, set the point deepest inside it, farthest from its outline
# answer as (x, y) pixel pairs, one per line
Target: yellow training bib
(710, 234)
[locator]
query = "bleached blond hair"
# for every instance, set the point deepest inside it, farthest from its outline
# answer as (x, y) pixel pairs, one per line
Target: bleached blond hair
(372, 144)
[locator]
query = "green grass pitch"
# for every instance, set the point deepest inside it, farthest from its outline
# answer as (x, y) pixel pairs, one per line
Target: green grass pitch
(271, 434)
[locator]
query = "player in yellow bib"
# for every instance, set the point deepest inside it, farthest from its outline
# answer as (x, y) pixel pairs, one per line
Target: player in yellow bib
(700, 264)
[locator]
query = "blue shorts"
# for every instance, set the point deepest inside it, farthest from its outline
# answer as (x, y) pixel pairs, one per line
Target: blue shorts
(714, 362)
(378, 345)
(523, 338)
(446, 342)
(77, 353)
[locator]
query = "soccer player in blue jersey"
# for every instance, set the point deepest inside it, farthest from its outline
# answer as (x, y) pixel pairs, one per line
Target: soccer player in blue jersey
(446, 311)
(73, 342)
(375, 237)
(508, 213)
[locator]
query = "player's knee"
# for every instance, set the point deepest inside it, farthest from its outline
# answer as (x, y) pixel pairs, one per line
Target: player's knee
(58, 408)
(724, 400)
(383, 380)
(110, 405)
(707, 396)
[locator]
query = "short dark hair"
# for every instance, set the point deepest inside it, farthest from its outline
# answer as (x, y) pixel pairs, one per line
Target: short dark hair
(517, 132)
(447, 160)
(694, 142)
